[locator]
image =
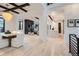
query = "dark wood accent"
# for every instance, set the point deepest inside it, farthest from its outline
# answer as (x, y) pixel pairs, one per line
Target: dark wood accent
(36, 17)
(8, 9)
(9, 39)
(20, 7)
(50, 17)
(23, 5)
(49, 4)
(15, 7)
(59, 27)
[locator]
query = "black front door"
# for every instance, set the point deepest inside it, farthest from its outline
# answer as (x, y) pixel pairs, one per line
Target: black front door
(28, 26)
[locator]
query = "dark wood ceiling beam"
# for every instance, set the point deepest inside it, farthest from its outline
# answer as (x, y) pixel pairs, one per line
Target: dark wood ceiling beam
(23, 5)
(50, 17)
(18, 7)
(49, 4)
(12, 11)
(8, 9)
(36, 17)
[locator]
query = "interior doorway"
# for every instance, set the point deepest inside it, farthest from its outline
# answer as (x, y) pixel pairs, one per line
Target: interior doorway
(28, 26)
(59, 27)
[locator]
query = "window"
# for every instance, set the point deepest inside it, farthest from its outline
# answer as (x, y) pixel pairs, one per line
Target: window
(2, 25)
(20, 25)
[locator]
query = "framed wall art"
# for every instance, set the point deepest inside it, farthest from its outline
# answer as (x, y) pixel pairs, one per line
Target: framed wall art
(77, 22)
(71, 23)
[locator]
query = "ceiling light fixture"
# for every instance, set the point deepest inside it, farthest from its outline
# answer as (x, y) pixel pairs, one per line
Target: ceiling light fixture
(7, 16)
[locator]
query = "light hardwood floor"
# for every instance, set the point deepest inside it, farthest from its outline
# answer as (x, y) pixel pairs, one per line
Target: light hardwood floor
(33, 46)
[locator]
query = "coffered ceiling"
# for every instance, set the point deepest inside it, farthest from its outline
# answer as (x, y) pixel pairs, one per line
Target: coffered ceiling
(12, 7)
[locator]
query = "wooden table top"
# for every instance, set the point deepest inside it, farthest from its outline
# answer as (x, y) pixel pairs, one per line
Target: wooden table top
(8, 36)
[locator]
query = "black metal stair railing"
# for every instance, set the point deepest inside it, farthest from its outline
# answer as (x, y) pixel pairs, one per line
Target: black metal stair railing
(73, 45)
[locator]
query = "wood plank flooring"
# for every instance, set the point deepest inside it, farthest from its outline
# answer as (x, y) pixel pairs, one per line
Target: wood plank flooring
(33, 46)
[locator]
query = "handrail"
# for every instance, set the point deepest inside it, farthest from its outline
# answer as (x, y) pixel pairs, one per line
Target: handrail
(73, 47)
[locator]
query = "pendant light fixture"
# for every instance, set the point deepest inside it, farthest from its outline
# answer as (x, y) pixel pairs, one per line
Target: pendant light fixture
(7, 16)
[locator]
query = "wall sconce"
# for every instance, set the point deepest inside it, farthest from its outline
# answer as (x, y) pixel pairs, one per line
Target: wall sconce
(7, 16)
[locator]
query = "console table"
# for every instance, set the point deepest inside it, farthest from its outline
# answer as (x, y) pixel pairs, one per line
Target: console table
(9, 37)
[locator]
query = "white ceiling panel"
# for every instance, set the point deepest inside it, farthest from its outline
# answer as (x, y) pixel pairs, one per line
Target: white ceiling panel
(20, 3)
(1, 9)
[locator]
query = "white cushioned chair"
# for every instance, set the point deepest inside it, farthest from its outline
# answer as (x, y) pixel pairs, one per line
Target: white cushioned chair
(19, 40)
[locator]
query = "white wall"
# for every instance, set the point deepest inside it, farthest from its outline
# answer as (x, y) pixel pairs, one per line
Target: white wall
(34, 10)
(57, 18)
(71, 12)
(10, 25)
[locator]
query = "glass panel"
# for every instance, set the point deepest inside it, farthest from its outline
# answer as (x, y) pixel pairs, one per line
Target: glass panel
(1, 24)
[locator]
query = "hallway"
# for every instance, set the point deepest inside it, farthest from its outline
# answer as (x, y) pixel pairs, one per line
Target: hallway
(33, 46)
